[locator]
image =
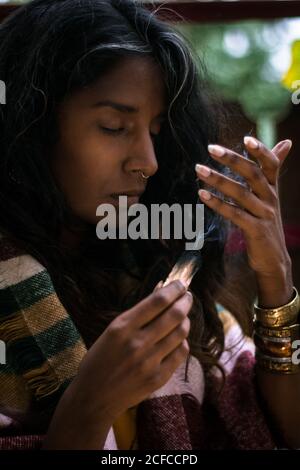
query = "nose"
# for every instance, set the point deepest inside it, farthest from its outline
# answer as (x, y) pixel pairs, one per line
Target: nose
(142, 156)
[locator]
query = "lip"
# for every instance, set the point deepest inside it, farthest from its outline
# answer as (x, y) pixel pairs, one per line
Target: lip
(132, 197)
(128, 194)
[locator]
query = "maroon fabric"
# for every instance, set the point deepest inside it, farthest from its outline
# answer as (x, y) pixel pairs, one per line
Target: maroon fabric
(209, 431)
(162, 425)
(236, 240)
(231, 418)
(239, 409)
(21, 442)
(194, 418)
(292, 235)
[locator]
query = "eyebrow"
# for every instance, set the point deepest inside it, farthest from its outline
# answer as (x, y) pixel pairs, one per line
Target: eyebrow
(123, 108)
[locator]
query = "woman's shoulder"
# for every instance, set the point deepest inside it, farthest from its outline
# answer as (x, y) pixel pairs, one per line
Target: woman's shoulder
(16, 265)
(28, 296)
(24, 281)
(43, 344)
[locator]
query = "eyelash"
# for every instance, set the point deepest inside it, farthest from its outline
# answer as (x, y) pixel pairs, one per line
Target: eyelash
(107, 130)
(112, 131)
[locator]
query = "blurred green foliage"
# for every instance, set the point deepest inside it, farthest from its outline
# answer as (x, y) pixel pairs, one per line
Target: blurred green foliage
(238, 58)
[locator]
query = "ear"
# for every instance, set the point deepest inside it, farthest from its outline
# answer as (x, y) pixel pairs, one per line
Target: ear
(282, 149)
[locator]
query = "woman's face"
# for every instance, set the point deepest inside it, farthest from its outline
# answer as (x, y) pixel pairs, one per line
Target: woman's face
(107, 133)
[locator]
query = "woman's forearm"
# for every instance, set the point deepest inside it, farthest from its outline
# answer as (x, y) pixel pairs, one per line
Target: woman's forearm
(281, 396)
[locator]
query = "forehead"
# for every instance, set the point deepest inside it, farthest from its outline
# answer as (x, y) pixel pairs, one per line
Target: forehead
(134, 81)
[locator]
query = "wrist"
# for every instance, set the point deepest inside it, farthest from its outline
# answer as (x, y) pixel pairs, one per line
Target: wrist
(91, 408)
(275, 289)
(77, 424)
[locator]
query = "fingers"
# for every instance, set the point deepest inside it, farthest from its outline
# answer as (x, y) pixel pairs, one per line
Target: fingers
(162, 370)
(246, 168)
(282, 149)
(235, 214)
(171, 362)
(269, 162)
(153, 305)
(232, 189)
(169, 320)
(171, 342)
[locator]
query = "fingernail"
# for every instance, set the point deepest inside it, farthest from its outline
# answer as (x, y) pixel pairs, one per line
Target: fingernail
(203, 170)
(251, 142)
(216, 150)
(287, 143)
(204, 194)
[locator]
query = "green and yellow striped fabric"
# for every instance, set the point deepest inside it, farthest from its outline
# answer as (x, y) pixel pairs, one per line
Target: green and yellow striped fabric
(43, 346)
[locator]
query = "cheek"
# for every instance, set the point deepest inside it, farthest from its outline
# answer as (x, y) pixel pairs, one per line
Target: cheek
(84, 171)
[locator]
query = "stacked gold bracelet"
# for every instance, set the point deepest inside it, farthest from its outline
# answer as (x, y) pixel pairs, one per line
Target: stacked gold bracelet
(275, 331)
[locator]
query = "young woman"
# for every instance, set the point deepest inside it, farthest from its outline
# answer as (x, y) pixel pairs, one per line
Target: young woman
(104, 99)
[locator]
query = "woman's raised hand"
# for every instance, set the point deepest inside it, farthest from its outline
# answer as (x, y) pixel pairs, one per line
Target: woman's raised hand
(256, 211)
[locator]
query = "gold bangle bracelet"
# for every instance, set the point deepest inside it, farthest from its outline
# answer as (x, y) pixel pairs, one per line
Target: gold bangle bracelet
(281, 316)
(275, 348)
(277, 365)
(291, 332)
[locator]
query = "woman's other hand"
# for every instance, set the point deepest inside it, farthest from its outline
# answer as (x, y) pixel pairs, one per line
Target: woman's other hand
(137, 354)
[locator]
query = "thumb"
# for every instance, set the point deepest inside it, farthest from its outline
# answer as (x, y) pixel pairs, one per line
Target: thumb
(282, 149)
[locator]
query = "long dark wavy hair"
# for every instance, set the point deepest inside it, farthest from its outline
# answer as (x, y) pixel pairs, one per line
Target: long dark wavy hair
(49, 49)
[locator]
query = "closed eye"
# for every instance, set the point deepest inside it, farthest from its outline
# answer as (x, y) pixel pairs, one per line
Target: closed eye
(112, 131)
(109, 130)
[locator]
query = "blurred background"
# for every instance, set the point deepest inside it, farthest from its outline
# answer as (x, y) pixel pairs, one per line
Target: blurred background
(251, 50)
